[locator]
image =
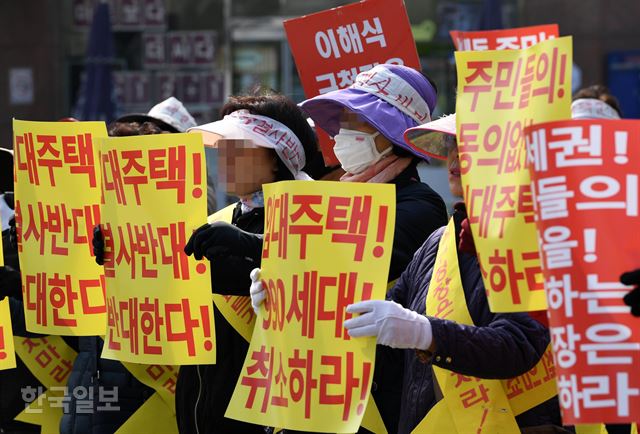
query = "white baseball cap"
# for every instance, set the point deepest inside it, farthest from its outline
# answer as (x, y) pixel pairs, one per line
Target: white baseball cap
(170, 114)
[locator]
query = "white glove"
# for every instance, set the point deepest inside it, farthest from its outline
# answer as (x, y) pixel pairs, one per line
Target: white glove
(258, 294)
(393, 325)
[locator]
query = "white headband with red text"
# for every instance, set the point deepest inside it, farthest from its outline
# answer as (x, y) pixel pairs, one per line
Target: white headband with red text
(591, 108)
(269, 133)
(390, 87)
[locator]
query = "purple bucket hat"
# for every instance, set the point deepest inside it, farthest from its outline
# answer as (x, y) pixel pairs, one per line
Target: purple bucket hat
(392, 98)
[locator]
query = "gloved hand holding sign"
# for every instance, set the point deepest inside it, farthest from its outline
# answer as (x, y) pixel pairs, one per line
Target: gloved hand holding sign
(221, 239)
(392, 324)
(257, 292)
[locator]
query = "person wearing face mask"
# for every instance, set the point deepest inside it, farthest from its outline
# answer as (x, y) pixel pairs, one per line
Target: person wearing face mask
(496, 346)
(247, 160)
(367, 121)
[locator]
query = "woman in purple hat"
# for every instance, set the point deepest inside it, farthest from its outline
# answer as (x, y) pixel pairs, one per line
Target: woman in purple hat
(367, 121)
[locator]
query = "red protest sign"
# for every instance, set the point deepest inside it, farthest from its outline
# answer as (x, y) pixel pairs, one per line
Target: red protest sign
(585, 185)
(504, 39)
(332, 47)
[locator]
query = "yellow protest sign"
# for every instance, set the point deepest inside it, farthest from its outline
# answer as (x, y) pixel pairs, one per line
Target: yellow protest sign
(50, 360)
(326, 245)
(533, 387)
(57, 205)
(7, 354)
(158, 299)
(499, 93)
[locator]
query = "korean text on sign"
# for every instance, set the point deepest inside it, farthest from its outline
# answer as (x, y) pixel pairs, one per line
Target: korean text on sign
(326, 245)
(50, 360)
(332, 47)
(57, 206)
(503, 39)
(499, 94)
(586, 192)
(158, 299)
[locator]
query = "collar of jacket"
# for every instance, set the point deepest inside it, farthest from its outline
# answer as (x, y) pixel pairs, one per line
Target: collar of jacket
(407, 176)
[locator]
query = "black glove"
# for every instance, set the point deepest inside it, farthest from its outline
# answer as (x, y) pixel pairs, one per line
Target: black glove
(10, 283)
(223, 239)
(98, 245)
(13, 234)
(632, 299)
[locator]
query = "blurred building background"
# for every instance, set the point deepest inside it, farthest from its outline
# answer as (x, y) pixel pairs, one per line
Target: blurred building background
(203, 50)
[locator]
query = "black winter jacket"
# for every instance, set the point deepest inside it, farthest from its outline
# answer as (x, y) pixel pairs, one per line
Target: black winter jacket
(89, 370)
(204, 391)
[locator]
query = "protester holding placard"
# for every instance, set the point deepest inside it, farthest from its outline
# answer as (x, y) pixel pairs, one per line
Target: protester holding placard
(11, 381)
(367, 121)
(89, 369)
(262, 138)
(461, 337)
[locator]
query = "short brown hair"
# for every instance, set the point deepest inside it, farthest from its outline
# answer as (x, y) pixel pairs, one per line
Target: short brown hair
(123, 129)
(267, 102)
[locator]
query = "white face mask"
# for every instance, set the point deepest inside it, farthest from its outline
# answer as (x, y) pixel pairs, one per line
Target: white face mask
(356, 150)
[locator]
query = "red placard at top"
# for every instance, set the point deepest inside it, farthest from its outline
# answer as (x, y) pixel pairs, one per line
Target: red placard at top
(504, 39)
(331, 47)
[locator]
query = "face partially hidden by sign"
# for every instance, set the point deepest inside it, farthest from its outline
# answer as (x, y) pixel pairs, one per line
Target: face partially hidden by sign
(453, 164)
(243, 166)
